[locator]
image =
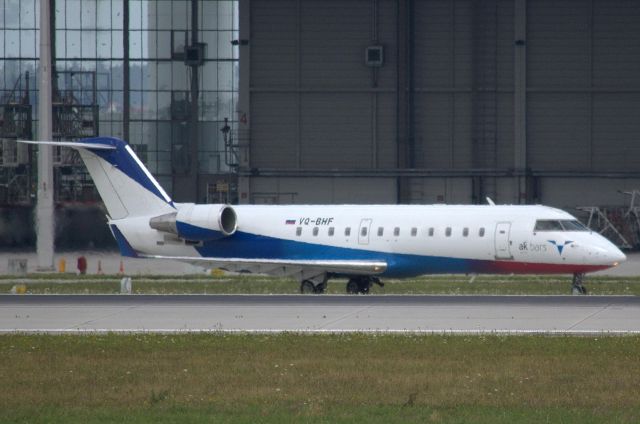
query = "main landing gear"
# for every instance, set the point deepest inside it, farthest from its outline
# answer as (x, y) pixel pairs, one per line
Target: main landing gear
(310, 286)
(355, 285)
(577, 287)
(362, 284)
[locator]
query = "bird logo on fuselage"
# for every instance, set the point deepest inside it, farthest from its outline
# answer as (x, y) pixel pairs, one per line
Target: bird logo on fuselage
(560, 245)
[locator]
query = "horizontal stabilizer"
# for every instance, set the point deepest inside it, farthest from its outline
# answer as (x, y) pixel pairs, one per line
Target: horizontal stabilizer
(72, 144)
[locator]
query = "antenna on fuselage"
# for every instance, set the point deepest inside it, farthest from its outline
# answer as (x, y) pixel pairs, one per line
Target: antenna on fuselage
(490, 202)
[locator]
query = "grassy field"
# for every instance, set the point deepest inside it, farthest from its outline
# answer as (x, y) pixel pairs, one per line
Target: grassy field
(319, 378)
(201, 284)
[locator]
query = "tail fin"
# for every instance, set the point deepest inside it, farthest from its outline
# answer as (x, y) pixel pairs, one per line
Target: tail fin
(125, 185)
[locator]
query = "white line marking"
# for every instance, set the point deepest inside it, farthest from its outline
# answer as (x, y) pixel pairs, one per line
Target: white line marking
(314, 331)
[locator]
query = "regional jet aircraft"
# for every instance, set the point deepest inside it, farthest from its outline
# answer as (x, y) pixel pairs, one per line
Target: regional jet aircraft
(314, 243)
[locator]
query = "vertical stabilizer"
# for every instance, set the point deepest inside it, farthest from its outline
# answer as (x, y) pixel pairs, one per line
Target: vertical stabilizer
(125, 185)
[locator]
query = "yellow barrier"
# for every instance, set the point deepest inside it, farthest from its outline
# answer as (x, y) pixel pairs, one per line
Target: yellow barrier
(62, 266)
(19, 289)
(217, 272)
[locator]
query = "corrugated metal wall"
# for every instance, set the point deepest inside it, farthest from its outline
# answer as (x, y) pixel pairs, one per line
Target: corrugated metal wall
(436, 122)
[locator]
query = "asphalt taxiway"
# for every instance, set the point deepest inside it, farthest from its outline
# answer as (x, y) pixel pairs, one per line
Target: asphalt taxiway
(327, 313)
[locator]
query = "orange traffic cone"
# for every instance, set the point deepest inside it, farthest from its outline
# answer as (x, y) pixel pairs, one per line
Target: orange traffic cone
(121, 270)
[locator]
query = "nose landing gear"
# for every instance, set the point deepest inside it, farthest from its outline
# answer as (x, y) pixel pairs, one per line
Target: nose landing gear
(577, 287)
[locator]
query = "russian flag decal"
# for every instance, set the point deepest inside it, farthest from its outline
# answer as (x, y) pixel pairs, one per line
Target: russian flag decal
(290, 222)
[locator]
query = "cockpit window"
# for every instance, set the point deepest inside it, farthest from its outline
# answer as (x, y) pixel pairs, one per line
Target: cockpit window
(548, 225)
(573, 225)
(559, 225)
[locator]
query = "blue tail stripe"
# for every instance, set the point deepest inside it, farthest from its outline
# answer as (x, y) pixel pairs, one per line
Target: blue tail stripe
(121, 159)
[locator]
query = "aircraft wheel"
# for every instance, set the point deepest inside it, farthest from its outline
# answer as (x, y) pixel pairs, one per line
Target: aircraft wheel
(577, 287)
(321, 288)
(307, 287)
(364, 285)
(353, 287)
(580, 290)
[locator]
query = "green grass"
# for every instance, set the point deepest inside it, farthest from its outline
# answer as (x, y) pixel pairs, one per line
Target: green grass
(319, 378)
(201, 284)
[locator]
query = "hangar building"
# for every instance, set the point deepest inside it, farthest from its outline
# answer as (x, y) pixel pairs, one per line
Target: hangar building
(334, 101)
(422, 101)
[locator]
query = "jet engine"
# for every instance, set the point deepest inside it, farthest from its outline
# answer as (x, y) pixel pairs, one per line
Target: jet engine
(198, 222)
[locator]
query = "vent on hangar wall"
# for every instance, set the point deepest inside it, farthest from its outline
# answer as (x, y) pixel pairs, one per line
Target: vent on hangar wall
(374, 56)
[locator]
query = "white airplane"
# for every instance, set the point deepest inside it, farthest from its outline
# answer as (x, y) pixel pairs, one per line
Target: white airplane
(314, 243)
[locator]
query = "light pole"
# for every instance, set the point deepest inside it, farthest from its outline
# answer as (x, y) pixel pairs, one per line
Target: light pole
(44, 205)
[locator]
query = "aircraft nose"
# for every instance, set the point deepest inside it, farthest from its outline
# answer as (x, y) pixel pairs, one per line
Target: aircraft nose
(617, 256)
(606, 253)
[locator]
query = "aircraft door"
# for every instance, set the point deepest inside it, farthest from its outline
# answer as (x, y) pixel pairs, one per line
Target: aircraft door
(363, 231)
(502, 242)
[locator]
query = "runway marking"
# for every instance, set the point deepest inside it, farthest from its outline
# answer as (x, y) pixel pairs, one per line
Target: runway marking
(343, 317)
(101, 331)
(591, 315)
(87, 322)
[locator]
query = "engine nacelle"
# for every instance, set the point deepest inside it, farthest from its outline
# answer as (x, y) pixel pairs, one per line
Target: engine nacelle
(198, 222)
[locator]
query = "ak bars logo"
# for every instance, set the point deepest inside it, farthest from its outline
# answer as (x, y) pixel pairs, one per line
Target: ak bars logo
(559, 245)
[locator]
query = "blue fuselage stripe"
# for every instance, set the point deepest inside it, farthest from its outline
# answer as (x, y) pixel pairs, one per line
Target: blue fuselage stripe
(253, 246)
(194, 232)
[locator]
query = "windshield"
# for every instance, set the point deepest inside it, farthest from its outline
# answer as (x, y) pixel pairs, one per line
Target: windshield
(559, 225)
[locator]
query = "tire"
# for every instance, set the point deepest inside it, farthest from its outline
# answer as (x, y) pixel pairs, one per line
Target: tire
(578, 290)
(320, 288)
(364, 285)
(353, 287)
(307, 287)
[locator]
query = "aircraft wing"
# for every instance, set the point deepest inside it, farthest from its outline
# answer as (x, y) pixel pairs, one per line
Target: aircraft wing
(284, 267)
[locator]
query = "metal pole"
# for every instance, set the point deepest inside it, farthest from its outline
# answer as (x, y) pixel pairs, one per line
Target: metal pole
(244, 104)
(125, 72)
(520, 99)
(44, 205)
(193, 124)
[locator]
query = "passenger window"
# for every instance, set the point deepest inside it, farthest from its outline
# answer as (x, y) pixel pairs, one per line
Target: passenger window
(363, 232)
(465, 232)
(414, 232)
(315, 231)
(447, 232)
(347, 231)
(380, 231)
(431, 231)
(481, 232)
(299, 231)
(331, 231)
(396, 231)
